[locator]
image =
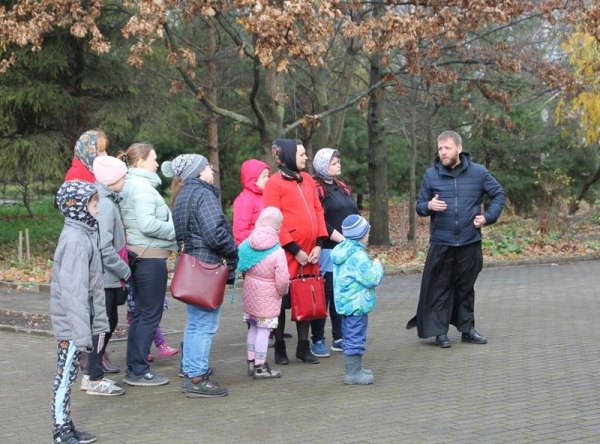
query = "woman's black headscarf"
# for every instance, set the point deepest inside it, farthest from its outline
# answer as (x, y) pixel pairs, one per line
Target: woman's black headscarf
(284, 151)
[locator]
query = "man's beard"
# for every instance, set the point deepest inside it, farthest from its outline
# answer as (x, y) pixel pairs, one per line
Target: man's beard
(451, 162)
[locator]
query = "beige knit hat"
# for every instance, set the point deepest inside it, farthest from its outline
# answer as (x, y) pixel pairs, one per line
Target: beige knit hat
(270, 217)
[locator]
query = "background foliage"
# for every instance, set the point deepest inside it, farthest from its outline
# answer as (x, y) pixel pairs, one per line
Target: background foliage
(378, 80)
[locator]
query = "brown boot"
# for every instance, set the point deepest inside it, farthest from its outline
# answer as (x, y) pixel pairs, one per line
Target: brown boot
(108, 366)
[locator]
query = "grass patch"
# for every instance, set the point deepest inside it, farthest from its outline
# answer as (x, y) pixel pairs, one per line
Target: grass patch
(44, 227)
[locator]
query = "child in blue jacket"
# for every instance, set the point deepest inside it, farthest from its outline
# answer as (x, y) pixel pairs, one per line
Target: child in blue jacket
(355, 276)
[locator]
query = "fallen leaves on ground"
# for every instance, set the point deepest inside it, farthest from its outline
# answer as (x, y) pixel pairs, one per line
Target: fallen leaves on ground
(580, 237)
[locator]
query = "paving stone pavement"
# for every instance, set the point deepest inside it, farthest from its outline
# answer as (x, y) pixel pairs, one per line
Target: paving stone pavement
(536, 381)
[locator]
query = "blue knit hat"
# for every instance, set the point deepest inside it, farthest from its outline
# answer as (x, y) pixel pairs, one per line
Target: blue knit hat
(355, 227)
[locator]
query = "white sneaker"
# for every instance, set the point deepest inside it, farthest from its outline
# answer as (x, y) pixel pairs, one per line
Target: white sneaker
(86, 384)
(106, 387)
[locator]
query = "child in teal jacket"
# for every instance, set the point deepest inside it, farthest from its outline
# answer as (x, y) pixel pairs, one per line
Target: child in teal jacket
(355, 276)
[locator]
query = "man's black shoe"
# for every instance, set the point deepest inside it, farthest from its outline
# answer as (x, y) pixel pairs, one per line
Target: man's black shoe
(443, 341)
(473, 337)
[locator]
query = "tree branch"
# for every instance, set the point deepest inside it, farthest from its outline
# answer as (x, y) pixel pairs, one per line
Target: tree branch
(199, 93)
(358, 98)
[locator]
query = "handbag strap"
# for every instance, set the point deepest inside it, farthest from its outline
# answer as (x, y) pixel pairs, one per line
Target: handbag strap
(302, 275)
(187, 221)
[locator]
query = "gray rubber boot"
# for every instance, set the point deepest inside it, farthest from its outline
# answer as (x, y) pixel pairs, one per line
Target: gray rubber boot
(354, 373)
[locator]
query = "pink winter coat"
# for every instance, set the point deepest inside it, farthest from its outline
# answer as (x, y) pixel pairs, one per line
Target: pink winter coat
(249, 203)
(266, 282)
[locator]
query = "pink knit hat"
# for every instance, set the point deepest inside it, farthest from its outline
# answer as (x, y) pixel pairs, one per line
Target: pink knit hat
(270, 217)
(109, 170)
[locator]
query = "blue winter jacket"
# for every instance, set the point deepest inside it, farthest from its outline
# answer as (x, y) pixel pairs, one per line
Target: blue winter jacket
(462, 189)
(355, 277)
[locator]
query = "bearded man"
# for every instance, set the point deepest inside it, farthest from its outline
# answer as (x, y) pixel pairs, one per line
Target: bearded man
(451, 195)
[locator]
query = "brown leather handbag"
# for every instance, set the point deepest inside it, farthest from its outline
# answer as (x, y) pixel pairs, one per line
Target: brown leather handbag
(196, 282)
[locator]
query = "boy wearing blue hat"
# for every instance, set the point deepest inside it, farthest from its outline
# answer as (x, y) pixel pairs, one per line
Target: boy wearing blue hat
(355, 276)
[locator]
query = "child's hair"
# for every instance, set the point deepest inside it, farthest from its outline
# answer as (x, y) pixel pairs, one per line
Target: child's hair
(135, 153)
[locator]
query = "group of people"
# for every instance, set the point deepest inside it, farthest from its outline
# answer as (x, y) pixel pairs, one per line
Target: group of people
(285, 225)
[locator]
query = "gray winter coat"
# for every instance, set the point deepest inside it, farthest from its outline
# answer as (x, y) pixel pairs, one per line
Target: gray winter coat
(112, 237)
(77, 300)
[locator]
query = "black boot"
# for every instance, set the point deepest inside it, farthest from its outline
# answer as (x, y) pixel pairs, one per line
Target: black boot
(472, 337)
(304, 354)
(280, 353)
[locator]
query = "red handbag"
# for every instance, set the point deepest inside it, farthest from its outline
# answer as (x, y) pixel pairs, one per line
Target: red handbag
(307, 294)
(198, 283)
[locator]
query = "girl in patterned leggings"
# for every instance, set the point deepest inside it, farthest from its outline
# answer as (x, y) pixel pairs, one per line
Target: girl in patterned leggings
(76, 300)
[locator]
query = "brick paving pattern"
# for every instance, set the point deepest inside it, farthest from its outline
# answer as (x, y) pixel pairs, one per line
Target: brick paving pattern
(536, 381)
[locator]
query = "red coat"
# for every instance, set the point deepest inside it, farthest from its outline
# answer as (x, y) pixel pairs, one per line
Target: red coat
(79, 171)
(303, 217)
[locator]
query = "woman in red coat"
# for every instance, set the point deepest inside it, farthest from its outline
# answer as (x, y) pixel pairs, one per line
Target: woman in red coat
(302, 233)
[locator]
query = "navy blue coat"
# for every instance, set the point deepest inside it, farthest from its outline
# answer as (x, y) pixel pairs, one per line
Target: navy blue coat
(208, 235)
(463, 190)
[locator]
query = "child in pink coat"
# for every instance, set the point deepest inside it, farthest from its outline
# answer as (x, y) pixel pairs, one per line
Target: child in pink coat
(266, 280)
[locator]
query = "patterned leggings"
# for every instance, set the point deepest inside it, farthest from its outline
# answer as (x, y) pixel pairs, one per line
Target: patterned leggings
(67, 367)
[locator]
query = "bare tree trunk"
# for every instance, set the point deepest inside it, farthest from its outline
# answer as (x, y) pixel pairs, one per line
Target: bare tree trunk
(321, 135)
(574, 206)
(26, 195)
(414, 155)
(344, 85)
(274, 105)
(211, 95)
(378, 191)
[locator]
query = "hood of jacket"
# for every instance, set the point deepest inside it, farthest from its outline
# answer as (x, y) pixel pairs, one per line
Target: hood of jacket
(465, 160)
(151, 177)
(343, 251)
(104, 191)
(263, 238)
(249, 173)
(72, 200)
